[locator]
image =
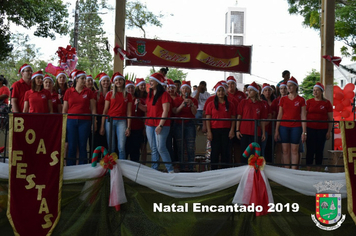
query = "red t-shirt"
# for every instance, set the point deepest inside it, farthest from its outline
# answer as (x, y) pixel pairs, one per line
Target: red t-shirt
(229, 98)
(38, 101)
(186, 111)
(157, 109)
(5, 91)
(78, 103)
(137, 124)
(251, 110)
(275, 107)
(100, 104)
(292, 110)
(118, 105)
(268, 108)
(318, 110)
(222, 113)
(19, 89)
(55, 102)
(238, 95)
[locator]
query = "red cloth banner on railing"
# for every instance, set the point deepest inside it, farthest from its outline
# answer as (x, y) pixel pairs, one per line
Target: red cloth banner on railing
(348, 131)
(149, 52)
(35, 172)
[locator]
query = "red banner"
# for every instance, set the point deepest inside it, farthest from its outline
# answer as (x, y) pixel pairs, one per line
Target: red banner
(149, 52)
(35, 172)
(348, 131)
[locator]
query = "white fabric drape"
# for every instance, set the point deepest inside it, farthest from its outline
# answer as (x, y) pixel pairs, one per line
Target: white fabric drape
(185, 185)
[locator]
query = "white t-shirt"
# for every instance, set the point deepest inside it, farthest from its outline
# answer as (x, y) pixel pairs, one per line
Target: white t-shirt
(202, 99)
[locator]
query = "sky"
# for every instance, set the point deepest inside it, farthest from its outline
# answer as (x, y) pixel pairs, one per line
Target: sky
(279, 41)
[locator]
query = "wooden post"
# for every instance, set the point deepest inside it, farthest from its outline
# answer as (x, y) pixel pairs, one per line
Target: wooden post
(120, 13)
(327, 32)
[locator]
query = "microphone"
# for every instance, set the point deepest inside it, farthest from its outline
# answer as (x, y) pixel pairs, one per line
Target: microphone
(185, 96)
(60, 93)
(136, 105)
(11, 89)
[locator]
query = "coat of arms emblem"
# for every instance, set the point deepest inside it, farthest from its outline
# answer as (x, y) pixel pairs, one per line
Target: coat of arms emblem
(141, 48)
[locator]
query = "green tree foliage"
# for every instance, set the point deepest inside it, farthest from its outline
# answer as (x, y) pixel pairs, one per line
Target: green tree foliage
(345, 20)
(93, 50)
(22, 53)
(46, 18)
(308, 83)
(138, 16)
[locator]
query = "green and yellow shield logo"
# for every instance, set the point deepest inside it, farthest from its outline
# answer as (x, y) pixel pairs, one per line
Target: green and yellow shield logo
(328, 208)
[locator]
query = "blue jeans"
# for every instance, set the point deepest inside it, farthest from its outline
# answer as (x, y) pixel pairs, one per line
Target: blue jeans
(188, 139)
(118, 128)
(290, 134)
(158, 146)
(199, 115)
(77, 135)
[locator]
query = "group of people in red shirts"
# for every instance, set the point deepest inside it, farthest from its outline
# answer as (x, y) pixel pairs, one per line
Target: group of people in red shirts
(120, 108)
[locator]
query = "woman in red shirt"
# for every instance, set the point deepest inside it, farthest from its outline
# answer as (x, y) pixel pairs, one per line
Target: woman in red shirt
(37, 99)
(267, 97)
(99, 96)
(78, 100)
(219, 131)
(117, 103)
(48, 85)
(157, 130)
(89, 83)
(250, 108)
(185, 107)
(291, 107)
(318, 108)
(61, 85)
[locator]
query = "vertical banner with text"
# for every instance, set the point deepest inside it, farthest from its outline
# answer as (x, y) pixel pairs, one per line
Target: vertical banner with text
(348, 132)
(35, 172)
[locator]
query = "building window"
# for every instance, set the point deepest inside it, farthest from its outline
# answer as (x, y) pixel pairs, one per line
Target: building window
(237, 22)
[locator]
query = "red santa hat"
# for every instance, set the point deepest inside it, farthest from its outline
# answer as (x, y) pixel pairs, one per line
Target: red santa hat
(219, 85)
(265, 86)
(254, 86)
(186, 84)
(139, 81)
(116, 76)
(231, 79)
(293, 80)
(24, 66)
(48, 77)
(319, 85)
(89, 77)
(102, 76)
(170, 83)
(60, 72)
(78, 73)
(223, 82)
(158, 77)
(129, 83)
(72, 73)
(37, 73)
(283, 84)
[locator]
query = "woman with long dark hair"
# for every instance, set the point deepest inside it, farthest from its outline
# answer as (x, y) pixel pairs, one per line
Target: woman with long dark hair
(61, 84)
(37, 99)
(141, 94)
(117, 103)
(219, 131)
(250, 108)
(48, 85)
(318, 108)
(158, 106)
(78, 100)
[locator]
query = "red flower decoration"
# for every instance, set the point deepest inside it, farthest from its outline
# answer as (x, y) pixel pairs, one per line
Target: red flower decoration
(257, 162)
(108, 161)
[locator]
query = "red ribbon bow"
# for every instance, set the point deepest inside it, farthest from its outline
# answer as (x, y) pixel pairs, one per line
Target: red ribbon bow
(109, 162)
(256, 161)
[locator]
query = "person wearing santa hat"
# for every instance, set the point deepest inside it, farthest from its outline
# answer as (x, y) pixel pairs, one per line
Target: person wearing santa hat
(290, 133)
(185, 107)
(157, 130)
(267, 98)
(61, 84)
(141, 95)
(19, 88)
(232, 89)
(89, 83)
(48, 85)
(318, 108)
(99, 96)
(250, 108)
(136, 138)
(78, 100)
(219, 131)
(282, 88)
(4, 92)
(37, 99)
(117, 103)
